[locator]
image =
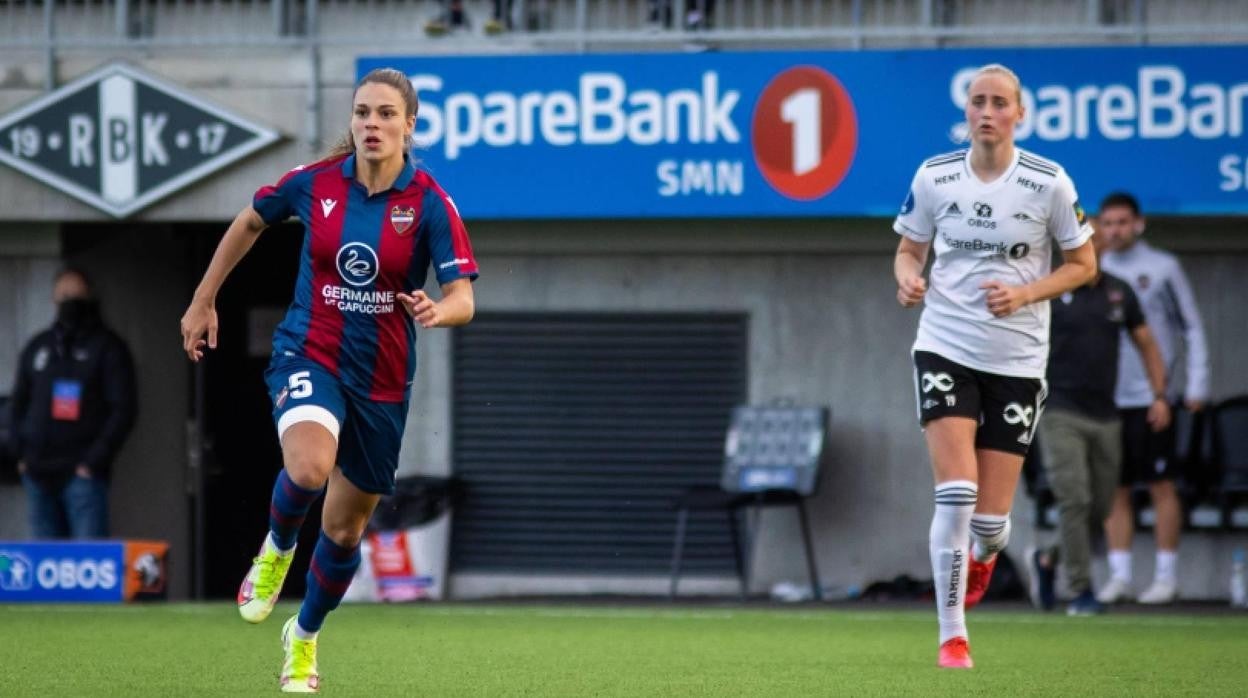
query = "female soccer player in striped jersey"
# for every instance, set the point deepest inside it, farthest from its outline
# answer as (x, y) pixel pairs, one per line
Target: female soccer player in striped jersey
(990, 213)
(344, 356)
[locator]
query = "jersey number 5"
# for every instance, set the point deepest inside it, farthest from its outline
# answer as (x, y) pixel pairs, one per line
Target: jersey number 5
(300, 385)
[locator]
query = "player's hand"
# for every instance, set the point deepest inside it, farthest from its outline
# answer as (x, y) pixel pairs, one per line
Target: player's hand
(1003, 299)
(910, 291)
(200, 319)
(21, 467)
(1194, 405)
(1159, 415)
(421, 307)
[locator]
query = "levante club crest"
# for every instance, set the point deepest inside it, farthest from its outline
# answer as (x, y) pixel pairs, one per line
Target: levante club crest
(402, 217)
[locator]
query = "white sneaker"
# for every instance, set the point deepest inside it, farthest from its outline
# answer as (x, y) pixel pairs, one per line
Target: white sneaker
(1160, 593)
(1115, 591)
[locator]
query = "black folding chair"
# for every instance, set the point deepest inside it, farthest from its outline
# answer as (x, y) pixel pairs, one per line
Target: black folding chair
(1230, 449)
(1198, 483)
(771, 458)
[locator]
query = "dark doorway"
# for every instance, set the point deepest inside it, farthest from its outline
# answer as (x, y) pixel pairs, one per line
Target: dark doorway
(242, 455)
(147, 273)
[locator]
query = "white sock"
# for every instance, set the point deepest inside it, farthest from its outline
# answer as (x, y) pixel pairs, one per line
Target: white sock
(1120, 565)
(272, 544)
(949, 542)
(303, 634)
(1167, 563)
(991, 532)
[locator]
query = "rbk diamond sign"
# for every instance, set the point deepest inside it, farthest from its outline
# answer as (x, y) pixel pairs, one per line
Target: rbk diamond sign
(120, 139)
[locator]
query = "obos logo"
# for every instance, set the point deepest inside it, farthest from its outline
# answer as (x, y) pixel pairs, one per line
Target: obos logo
(82, 573)
(805, 132)
(16, 572)
(357, 264)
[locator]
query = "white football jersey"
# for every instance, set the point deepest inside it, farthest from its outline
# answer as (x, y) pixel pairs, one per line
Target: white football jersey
(989, 231)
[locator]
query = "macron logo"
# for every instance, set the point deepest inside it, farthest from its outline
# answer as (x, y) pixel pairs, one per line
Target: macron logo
(327, 206)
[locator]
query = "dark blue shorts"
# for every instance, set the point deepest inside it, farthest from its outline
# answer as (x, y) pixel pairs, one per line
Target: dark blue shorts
(368, 432)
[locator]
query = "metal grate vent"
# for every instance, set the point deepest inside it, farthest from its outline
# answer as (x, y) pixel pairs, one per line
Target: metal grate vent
(575, 432)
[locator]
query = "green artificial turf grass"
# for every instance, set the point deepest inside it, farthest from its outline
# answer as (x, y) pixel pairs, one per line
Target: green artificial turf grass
(569, 650)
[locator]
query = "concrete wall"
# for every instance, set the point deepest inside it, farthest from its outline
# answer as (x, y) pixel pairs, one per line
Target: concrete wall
(276, 96)
(824, 328)
(143, 280)
(142, 287)
(28, 260)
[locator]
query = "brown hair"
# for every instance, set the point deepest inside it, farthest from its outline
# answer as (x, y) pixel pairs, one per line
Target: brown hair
(384, 76)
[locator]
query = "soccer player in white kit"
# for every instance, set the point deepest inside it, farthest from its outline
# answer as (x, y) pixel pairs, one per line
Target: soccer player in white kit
(989, 212)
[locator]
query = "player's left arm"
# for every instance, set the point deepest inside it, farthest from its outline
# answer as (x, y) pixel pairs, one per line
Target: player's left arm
(450, 251)
(1197, 350)
(456, 307)
(1078, 268)
(1069, 227)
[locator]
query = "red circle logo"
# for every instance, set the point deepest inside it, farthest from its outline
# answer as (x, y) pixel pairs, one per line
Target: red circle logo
(805, 132)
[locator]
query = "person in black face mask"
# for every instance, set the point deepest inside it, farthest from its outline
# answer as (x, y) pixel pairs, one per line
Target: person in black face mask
(73, 405)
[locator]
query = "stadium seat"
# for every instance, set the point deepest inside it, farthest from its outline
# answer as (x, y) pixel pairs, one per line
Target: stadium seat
(1199, 482)
(771, 458)
(1230, 449)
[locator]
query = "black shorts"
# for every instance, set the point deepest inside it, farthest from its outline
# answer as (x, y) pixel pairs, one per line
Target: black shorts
(1007, 408)
(1147, 455)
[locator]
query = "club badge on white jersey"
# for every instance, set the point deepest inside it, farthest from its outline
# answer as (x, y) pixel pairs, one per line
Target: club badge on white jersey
(982, 232)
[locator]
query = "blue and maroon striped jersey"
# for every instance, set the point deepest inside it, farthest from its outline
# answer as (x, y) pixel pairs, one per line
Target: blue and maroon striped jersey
(359, 251)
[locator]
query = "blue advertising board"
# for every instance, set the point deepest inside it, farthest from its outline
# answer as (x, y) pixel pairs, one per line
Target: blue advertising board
(822, 134)
(105, 571)
(62, 571)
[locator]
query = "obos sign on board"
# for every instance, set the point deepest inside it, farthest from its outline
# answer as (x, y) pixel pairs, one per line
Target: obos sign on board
(814, 133)
(96, 571)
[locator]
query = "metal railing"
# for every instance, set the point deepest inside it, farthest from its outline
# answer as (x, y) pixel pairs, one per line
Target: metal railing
(67, 25)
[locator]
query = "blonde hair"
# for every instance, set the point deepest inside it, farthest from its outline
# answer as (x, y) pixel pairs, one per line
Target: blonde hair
(998, 69)
(384, 76)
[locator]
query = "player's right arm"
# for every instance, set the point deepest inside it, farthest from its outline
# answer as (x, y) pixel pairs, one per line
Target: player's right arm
(200, 318)
(270, 204)
(908, 269)
(915, 226)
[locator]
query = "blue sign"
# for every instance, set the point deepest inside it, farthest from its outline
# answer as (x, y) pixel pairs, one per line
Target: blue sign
(814, 133)
(62, 571)
(759, 479)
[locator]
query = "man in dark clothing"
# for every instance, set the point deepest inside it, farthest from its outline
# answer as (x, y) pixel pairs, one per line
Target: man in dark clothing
(1080, 434)
(73, 404)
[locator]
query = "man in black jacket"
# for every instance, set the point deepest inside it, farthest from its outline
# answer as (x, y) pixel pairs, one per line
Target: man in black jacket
(73, 405)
